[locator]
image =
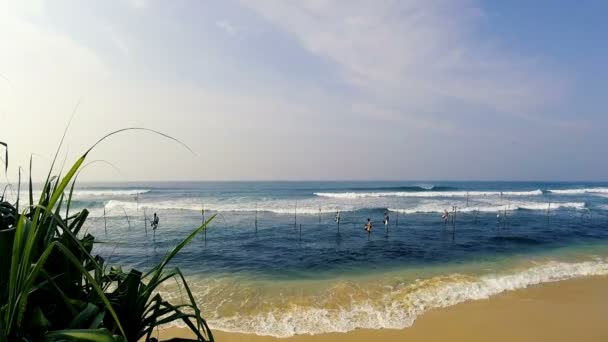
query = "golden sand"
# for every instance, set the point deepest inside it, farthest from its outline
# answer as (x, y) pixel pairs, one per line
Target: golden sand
(571, 310)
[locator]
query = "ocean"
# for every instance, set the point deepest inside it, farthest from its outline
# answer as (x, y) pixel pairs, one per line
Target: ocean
(275, 262)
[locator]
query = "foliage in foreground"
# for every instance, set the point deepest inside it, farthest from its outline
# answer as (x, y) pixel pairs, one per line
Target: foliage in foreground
(53, 289)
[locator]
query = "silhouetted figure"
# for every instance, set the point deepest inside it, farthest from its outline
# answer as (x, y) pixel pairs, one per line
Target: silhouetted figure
(154, 222)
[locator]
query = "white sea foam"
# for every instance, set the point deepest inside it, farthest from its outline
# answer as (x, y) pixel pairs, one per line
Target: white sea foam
(118, 207)
(354, 195)
(110, 192)
(398, 306)
(93, 193)
(438, 207)
(195, 205)
(580, 191)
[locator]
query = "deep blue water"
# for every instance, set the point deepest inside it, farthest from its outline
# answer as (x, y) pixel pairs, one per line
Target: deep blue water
(297, 235)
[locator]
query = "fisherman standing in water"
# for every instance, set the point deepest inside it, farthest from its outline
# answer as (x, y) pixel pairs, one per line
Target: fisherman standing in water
(337, 217)
(368, 226)
(445, 216)
(386, 218)
(154, 222)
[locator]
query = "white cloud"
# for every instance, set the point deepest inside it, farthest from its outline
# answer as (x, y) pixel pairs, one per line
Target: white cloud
(227, 27)
(138, 4)
(415, 54)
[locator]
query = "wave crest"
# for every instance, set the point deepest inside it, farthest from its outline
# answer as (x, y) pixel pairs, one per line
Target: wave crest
(354, 195)
(388, 304)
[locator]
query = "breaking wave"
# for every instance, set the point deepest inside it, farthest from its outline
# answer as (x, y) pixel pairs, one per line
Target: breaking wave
(354, 195)
(438, 207)
(344, 306)
(580, 191)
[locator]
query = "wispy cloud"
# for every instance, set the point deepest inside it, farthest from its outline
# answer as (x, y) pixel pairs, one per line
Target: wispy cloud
(415, 54)
(227, 27)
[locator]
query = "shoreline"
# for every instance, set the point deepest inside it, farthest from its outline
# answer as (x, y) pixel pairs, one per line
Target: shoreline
(567, 310)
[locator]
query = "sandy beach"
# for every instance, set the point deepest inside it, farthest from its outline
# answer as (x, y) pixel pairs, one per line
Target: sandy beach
(561, 311)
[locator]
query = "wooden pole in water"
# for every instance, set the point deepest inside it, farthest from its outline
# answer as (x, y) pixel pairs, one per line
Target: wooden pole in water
(467, 198)
(300, 232)
(127, 216)
(105, 221)
(319, 214)
(397, 220)
(295, 216)
(338, 218)
(256, 219)
(145, 222)
(454, 218)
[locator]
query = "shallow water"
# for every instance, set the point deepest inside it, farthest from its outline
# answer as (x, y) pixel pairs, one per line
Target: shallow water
(300, 272)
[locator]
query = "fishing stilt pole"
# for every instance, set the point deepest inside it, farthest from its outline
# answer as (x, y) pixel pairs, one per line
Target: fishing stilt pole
(127, 216)
(256, 219)
(105, 221)
(319, 214)
(338, 219)
(145, 222)
(300, 232)
(467, 198)
(397, 220)
(295, 216)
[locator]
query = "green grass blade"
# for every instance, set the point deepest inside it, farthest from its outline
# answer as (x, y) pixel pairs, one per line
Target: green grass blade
(88, 335)
(179, 247)
(42, 260)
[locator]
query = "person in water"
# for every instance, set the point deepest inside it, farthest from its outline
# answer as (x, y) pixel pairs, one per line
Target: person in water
(445, 216)
(337, 217)
(368, 226)
(154, 222)
(386, 218)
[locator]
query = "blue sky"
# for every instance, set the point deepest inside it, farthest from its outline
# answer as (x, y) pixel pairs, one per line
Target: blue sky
(447, 89)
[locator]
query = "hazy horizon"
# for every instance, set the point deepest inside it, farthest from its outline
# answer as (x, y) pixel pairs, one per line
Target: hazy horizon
(308, 91)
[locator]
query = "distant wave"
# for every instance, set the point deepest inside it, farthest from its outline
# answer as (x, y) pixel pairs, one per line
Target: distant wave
(347, 306)
(440, 207)
(353, 195)
(405, 188)
(110, 192)
(579, 191)
(93, 193)
(118, 207)
(196, 206)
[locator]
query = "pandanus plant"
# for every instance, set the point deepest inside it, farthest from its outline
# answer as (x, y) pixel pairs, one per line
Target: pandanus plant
(53, 289)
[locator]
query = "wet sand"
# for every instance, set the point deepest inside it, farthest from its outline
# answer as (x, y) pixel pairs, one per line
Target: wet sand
(570, 310)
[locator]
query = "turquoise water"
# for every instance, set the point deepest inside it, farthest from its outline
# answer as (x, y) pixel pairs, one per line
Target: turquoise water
(275, 262)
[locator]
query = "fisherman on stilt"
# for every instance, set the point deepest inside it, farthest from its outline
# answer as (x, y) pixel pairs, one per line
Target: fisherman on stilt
(386, 219)
(445, 216)
(154, 222)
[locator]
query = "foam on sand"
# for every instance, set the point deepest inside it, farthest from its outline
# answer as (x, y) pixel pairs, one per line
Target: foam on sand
(349, 305)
